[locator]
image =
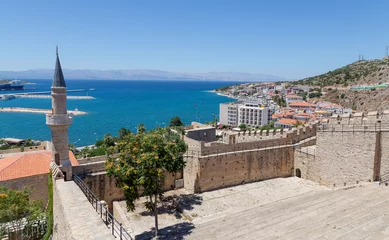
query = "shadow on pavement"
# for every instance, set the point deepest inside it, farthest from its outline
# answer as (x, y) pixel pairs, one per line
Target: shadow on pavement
(174, 232)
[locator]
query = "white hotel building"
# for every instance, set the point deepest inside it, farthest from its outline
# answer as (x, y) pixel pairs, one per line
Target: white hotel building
(253, 114)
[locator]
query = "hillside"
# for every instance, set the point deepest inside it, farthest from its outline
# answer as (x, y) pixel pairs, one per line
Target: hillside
(337, 85)
(357, 73)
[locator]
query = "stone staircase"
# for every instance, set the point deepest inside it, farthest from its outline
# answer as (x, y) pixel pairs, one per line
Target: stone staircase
(354, 213)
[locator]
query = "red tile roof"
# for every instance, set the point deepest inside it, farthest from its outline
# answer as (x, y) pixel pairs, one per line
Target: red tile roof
(286, 121)
(301, 104)
(28, 164)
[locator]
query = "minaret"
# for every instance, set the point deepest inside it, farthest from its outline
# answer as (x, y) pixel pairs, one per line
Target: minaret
(59, 121)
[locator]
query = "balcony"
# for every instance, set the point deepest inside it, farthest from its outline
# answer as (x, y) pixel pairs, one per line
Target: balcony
(59, 119)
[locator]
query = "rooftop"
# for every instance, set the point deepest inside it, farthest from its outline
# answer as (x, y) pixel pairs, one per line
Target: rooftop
(286, 121)
(28, 164)
(301, 104)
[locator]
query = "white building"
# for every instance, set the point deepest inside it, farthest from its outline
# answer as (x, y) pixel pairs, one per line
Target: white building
(228, 114)
(253, 114)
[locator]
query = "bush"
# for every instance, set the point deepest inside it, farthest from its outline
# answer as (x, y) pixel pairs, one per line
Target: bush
(342, 96)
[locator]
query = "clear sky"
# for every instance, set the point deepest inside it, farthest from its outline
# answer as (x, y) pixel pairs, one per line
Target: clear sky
(292, 39)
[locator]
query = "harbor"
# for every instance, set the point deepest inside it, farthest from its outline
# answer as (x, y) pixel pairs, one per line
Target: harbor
(36, 110)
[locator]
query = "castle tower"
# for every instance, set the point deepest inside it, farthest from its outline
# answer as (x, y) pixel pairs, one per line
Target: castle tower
(59, 121)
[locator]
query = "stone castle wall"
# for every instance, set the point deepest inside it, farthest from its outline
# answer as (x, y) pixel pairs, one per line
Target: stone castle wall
(104, 187)
(349, 149)
(38, 183)
(224, 170)
(211, 167)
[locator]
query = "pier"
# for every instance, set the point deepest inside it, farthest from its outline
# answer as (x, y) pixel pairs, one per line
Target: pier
(45, 94)
(36, 110)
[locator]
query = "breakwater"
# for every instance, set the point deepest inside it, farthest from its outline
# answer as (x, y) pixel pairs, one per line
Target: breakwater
(49, 96)
(35, 110)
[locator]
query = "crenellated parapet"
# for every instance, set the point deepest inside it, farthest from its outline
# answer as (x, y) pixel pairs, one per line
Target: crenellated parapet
(361, 118)
(264, 139)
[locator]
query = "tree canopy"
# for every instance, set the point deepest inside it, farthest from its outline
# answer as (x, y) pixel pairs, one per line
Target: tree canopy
(143, 161)
(175, 122)
(17, 210)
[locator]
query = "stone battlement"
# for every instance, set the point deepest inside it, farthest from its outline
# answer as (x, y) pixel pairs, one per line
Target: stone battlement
(253, 140)
(361, 118)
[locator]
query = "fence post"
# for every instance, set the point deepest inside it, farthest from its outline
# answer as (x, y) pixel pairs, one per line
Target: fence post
(121, 231)
(106, 215)
(101, 210)
(113, 226)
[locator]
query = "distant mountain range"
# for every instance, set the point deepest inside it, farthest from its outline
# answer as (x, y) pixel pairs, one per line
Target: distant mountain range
(138, 74)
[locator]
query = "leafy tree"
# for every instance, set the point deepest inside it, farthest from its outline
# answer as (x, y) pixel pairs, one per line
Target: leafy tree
(108, 140)
(175, 122)
(141, 128)
(17, 209)
(123, 132)
(99, 143)
(242, 126)
(142, 163)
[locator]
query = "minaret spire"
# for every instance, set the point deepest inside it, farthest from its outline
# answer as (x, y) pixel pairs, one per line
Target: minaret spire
(58, 80)
(59, 121)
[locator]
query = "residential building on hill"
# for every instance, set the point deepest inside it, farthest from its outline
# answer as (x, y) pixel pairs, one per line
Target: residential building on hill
(293, 98)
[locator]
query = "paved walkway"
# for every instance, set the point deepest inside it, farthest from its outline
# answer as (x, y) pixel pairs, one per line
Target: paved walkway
(82, 219)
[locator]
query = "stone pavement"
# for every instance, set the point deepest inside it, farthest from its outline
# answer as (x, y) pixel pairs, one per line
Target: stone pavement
(356, 213)
(284, 208)
(81, 219)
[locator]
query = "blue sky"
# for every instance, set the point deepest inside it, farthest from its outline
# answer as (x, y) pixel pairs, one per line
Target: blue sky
(292, 39)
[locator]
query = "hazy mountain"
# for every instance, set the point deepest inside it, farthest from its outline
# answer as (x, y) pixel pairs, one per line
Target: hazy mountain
(138, 74)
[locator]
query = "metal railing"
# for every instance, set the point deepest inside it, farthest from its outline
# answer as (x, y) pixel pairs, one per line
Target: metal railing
(116, 227)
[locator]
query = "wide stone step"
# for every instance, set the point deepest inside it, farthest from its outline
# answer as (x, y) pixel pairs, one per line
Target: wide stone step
(284, 220)
(295, 217)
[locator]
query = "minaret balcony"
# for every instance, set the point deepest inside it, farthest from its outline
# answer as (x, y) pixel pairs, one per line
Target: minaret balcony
(59, 119)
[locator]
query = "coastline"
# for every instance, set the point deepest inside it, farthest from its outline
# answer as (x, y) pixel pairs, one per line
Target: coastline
(223, 95)
(35, 110)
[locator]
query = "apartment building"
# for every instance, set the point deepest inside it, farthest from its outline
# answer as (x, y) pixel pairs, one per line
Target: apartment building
(253, 114)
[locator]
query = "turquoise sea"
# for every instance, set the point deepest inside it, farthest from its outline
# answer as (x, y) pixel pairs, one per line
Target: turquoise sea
(117, 104)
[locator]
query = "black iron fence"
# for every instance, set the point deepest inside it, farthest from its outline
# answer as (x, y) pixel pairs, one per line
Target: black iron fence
(116, 227)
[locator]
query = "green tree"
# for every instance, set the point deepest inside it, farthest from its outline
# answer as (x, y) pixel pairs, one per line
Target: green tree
(108, 140)
(175, 122)
(143, 161)
(17, 210)
(141, 128)
(242, 127)
(123, 132)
